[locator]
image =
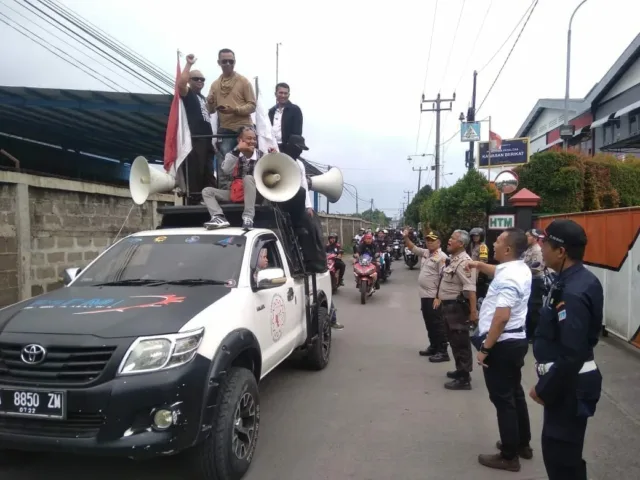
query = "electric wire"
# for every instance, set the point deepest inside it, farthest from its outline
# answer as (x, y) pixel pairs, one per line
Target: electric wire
(124, 51)
(68, 44)
(22, 31)
(509, 55)
(453, 44)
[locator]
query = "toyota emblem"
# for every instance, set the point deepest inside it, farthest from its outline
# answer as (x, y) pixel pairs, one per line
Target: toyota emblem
(33, 354)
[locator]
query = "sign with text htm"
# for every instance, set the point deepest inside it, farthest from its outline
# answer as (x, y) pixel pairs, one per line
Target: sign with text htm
(501, 222)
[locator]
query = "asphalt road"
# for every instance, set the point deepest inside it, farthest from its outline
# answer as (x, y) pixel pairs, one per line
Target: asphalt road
(379, 412)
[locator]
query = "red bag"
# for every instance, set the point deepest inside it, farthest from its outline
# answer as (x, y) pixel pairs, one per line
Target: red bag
(236, 193)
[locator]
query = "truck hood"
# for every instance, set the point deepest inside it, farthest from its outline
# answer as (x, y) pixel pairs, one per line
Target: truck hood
(110, 312)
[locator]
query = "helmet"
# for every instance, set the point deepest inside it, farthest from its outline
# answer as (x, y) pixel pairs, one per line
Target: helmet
(386, 232)
(362, 229)
(333, 235)
(377, 229)
(476, 231)
(369, 230)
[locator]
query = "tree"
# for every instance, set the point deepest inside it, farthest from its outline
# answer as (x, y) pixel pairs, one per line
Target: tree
(377, 218)
(463, 205)
(412, 212)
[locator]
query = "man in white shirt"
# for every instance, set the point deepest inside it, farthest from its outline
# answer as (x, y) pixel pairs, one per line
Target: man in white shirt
(502, 345)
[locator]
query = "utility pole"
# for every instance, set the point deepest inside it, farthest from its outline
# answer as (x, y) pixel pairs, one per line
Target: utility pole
(419, 170)
(471, 117)
(408, 193)
(371, 210)
(277, 60)
(437, 107)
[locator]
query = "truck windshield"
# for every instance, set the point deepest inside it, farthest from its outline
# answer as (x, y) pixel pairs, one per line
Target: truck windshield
(205, 259)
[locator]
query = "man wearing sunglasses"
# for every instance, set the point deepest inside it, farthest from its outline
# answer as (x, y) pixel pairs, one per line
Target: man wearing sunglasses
(197, 163)
(231, 95)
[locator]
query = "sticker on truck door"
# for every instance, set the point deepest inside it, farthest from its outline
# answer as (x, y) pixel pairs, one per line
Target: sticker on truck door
(278, 317)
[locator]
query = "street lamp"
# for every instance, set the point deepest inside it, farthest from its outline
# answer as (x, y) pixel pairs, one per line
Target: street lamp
(568, 133)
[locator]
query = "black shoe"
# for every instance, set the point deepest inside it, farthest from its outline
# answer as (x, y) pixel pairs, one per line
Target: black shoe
(342, 282)
(523, 452)
(463, 383)
(337, 326)
(454, 374)
(440, 357)
(428, 352)
(377, 285)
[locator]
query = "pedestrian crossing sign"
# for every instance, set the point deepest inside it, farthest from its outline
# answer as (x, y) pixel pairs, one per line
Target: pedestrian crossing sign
(470, 132)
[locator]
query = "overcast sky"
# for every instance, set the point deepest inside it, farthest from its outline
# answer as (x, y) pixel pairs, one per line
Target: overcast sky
(357, 70)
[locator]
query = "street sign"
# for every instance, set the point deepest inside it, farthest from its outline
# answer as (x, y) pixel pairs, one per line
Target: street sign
(501, 221)
(567, 131)
(512, 152)
(470, 132)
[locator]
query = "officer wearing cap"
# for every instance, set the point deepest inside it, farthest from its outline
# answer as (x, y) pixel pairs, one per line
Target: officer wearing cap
(457, 298)
(479, 252)
(533, 258)
(569, 381)
(432, 262)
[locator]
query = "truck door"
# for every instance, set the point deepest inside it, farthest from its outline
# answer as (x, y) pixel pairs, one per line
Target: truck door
(278, 322)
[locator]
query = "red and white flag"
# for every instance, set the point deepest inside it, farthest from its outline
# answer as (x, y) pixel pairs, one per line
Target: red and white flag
(495, 141)
(177, 143)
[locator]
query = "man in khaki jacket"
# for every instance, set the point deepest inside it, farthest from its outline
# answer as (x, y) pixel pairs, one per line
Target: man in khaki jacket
(231, 95)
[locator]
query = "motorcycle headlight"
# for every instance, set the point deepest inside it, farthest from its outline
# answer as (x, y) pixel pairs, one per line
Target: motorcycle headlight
(162, 352)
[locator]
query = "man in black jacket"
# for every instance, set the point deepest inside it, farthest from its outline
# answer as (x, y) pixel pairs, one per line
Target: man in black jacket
(285, 117)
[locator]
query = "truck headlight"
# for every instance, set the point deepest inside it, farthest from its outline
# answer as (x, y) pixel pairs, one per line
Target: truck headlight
(150, 354)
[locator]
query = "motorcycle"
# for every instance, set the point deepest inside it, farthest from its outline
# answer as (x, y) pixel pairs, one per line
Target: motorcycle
(410, 259)
(396, 250)
(386, 266)
(363, 270)
(333, 272)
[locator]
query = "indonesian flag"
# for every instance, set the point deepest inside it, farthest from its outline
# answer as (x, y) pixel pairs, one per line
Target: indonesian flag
(177, 143)
(495, 141)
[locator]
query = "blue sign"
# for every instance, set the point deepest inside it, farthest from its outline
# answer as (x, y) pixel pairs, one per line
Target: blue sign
(470, 132)
(511, 152)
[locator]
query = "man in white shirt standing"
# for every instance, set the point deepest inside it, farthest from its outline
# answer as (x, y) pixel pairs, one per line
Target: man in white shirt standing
(502, 345)
(286, 117)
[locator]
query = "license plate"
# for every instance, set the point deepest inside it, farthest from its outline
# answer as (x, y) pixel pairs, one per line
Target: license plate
(18, 402)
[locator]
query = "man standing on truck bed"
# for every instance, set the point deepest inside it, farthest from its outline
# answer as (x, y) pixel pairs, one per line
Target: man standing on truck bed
(232, 96)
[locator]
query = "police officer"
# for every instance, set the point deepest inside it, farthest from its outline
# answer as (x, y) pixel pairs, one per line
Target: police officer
(569, 381)
(432, 262)
(456, 297)
(533, 258)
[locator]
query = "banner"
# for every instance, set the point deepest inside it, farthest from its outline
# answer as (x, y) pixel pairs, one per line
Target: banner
(511, 152)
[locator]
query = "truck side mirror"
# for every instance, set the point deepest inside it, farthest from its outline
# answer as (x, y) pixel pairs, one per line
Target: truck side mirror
(70, 275)
(270, 278)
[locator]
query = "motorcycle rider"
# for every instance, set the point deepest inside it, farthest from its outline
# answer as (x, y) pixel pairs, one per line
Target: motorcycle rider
(359, 236)
(368, 246)
(382, 244)
(333, 246)
(479, 252)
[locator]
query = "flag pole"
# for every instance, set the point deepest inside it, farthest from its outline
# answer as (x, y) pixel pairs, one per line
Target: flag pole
(489, 152)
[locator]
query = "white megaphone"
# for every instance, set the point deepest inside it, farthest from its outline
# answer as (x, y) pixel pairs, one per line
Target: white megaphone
(145, 180)
(329, 184)
(277, 177)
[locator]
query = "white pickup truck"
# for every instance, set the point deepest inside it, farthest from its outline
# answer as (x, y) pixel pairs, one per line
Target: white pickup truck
(157, 347)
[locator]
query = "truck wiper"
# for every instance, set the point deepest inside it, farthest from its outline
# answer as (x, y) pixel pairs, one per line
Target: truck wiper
(195, 281)
(130, 282)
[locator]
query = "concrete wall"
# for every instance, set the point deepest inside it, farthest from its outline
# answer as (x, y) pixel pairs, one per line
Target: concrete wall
(345, 227)
(49, 224)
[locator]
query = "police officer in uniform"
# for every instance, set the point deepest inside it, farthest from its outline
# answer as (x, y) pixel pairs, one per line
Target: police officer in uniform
(569, 382)
(479, 252)
(533, 258)
(456, 297)
(432, 262)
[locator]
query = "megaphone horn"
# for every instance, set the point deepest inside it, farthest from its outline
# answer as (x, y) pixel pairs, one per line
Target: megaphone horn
(329, 184)
(145, 180)
(277, 177)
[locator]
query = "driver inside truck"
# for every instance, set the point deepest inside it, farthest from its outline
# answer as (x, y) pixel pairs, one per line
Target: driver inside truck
(263, 262)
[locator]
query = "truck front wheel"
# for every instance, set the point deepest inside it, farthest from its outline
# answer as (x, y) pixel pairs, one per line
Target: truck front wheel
(317, 356)
(228, 451)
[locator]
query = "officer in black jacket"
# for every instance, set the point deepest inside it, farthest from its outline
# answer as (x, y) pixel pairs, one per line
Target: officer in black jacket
(569, 381)
(286, 117)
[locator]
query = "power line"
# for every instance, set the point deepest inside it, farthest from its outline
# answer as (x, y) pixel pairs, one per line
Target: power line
(475, 44)
(509, 55)
(22, 29)
(426, 72)
(509, 37)
(453, 44)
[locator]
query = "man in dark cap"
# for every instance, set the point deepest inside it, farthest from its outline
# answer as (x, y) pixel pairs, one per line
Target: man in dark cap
(570, 323)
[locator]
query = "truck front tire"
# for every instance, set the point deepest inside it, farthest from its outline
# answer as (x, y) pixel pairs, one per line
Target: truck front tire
(228, 451)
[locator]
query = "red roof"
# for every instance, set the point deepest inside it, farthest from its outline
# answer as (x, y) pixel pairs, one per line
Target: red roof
(525, 194)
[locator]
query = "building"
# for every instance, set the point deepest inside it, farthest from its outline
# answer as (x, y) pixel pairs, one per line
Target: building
(606, 120)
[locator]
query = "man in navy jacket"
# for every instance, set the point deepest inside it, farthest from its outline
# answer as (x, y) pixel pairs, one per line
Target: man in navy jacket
(286, 117)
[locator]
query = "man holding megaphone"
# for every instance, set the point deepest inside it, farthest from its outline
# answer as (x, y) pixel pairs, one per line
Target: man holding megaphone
(240, 163)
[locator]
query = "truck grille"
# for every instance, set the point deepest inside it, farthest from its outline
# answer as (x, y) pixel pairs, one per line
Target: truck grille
(62, 365)
(77, 425)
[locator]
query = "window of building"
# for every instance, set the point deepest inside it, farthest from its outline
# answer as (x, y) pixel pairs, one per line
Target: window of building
(634, 121)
